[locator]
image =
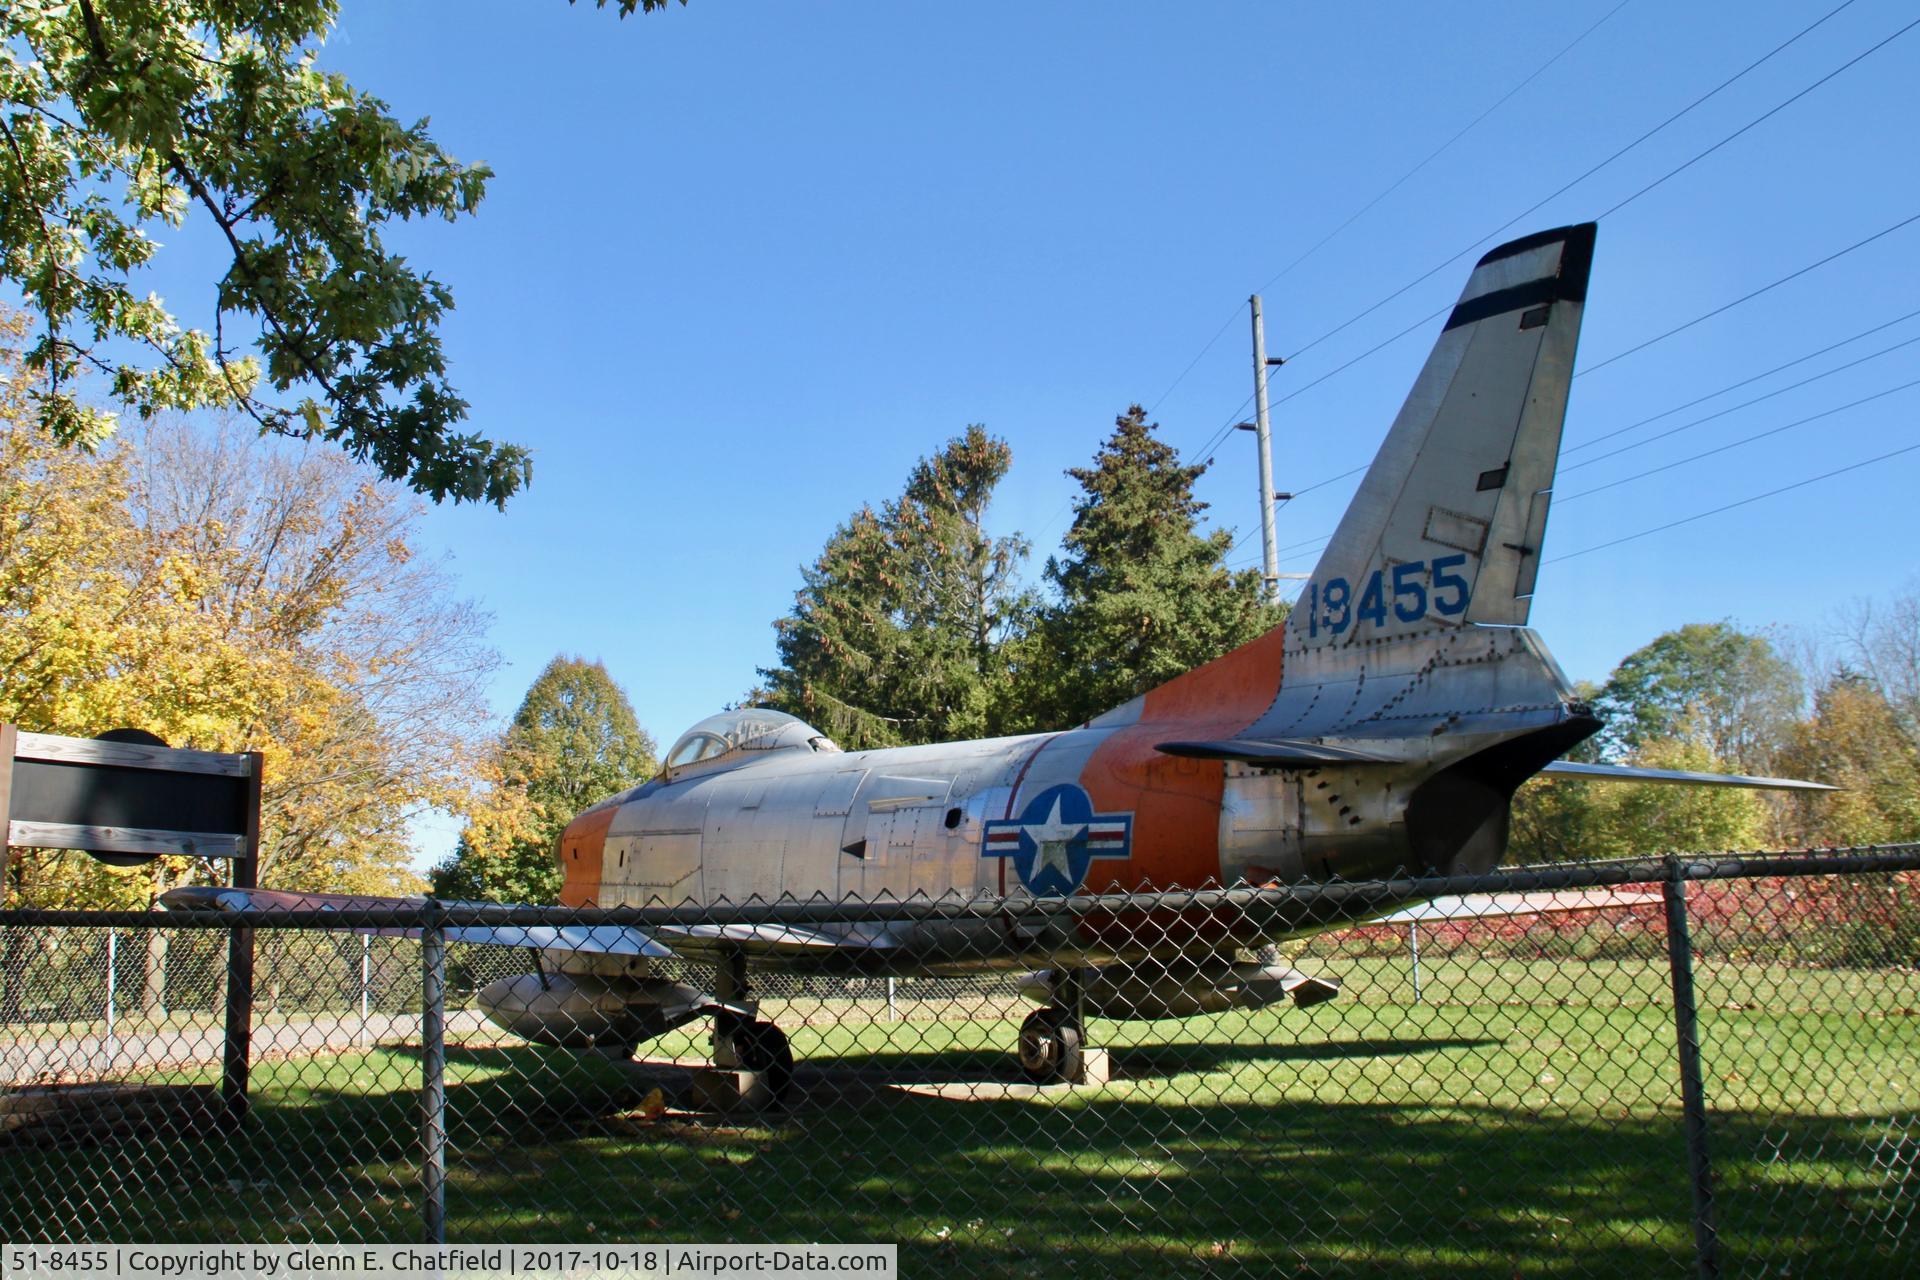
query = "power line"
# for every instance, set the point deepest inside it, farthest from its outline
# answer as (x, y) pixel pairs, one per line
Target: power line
(1321, 484)
(1240, 537)
(1735, 444)
(1224, 326)
(1696, 320)
(1750, 67)
(1744, 404)
(1304, 542)
(1436, 152)
(1832, 257)
(1220, 434)
(1392, 187)
(1760, 119)
(1732, 386)
(1717, 89)
(1767, 288)
(1226, 428)
(1678, 329)
(1785, 488)
(1748, 501)
(1309, 543)
(1423, 321)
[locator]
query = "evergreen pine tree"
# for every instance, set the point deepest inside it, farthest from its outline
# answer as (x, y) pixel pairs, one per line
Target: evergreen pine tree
(1142, 595)
(897, 633)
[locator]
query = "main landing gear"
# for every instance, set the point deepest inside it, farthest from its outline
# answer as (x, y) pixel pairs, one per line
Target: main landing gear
(1052, 1046)
(1053, 1040)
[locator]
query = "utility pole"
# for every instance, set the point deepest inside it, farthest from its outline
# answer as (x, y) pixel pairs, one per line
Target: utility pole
(1270, 554)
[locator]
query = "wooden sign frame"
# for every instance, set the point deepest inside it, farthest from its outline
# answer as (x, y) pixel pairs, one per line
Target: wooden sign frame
(129, 797)
(133, 798)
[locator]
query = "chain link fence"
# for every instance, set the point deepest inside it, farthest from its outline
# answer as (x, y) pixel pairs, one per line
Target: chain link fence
(1704, 1065)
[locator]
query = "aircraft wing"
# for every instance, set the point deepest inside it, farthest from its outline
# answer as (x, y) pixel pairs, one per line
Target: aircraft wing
(698, 940)
(767, 939)
(599, 939)
(1678, 777)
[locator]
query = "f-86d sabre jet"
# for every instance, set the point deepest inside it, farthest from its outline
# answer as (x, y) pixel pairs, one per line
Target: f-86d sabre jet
(1382, 730)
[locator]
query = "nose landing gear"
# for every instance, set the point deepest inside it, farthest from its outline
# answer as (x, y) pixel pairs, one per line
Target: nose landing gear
(752, 1061)
(757, 1047)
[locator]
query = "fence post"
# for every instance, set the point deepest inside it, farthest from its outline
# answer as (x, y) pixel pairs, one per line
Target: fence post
(237, 1055)
(113, 965)
(237, 1052)
(1413, 941)
(1693, 1098)
(433, 1075)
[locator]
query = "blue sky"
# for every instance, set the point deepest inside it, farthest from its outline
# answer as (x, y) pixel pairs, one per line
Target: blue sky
(744, 262)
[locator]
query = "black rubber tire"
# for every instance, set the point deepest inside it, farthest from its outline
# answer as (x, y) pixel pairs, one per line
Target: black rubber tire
(1050, 1046)
(762, 1047)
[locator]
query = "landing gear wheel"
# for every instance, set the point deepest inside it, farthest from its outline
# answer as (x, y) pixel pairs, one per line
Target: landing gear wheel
(1050, 1046)
(761, 1047)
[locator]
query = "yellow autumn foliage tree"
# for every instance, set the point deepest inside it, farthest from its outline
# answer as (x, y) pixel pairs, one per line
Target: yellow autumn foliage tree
(232, 594)
(1854, 741)
(1559, 819)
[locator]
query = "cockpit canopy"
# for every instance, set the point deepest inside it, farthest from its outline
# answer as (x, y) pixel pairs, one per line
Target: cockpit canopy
(748, 729)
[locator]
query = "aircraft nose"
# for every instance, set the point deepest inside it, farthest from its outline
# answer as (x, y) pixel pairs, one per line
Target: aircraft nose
(579, 853)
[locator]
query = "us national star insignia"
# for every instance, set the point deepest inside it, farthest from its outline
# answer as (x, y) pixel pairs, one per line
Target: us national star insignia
(1056, 838)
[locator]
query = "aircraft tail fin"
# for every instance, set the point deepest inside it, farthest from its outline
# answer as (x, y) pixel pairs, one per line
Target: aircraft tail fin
(1448, 525)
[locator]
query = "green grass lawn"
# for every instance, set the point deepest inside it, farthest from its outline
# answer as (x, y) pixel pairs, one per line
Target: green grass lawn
(1523, 1118)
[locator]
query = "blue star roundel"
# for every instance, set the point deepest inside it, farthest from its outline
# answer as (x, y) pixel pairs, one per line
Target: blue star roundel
(1056, 838)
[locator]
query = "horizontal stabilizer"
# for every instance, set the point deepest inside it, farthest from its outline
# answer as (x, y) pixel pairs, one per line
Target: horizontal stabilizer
(1482, 906)
(1678, 777)
(1271, 753)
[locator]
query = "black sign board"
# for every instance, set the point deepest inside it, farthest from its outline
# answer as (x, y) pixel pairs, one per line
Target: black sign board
(130, 798)
(126, 797)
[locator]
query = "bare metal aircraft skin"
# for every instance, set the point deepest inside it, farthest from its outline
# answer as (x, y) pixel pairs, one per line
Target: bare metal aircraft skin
(1382, 729)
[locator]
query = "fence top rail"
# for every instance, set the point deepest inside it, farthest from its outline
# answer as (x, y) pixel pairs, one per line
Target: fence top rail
(1341, 900)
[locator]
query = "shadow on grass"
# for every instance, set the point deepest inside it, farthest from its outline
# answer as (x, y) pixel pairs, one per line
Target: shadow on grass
(550, 1146)
(1128, 1062)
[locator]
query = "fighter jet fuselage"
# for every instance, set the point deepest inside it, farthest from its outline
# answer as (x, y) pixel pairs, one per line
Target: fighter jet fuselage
(1228, 775)
(1381, 731)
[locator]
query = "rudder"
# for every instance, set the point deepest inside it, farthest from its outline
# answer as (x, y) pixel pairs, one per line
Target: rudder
(1448, 525)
